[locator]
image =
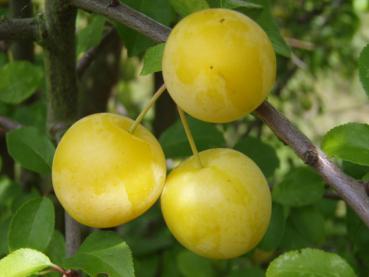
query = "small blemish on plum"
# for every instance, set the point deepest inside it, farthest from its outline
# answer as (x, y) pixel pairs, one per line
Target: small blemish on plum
(222, 20)
(211, 67)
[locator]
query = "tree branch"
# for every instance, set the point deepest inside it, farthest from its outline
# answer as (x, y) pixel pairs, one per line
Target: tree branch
(8, 124)
(127, 16)
(22, 50)
(90, 55)
(351, 190)
(19, 29)
(60, 63)
(100, 74)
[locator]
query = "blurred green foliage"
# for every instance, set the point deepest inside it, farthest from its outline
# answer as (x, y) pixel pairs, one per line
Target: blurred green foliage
(315, 40)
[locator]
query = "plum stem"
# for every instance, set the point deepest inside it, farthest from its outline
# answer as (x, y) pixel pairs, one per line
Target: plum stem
(190, 139)
(147, 108)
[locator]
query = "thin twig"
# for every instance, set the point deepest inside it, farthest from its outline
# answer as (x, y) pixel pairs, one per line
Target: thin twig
(22, 50)
(90, 55)
(300, 44)
(127, 16)
(8, 124)
(349, 189)
(19, 29)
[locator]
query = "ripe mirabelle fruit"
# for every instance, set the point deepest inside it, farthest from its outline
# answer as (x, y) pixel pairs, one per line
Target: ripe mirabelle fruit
(218, 65)
(105, 176)
(220, 210)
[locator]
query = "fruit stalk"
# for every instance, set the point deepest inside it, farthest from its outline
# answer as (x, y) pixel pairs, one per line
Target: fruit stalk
(147, 108)
(187, 129)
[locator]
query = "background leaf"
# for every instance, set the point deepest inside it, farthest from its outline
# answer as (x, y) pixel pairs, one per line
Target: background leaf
(56, 248)
(191, 265)
(275, 232)
(174, 140)
(245, 272)
(32, 225)
(185, 7)
(18, 81)
(364, 68)
(261, 153)
(91, 35)
(152, 59)
(234, 4)
(266, 20)
(309, 222)
(159, 10)
(309, 262)
(300, 187)
(32, 115)
(349, 142)
(23, 263)
(103, 252)
(32, 149)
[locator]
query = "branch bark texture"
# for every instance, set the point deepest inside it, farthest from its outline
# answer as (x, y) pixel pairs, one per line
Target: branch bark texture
(22, 50)
(60, 62)
(127, 16)
(351, 190)
(19, 29)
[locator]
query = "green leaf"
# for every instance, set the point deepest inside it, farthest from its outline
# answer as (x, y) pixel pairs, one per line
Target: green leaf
(175, 143)
(32, 225)
(309, 262)
(349, 142)
(4, 227)
(91, 35)
(23, 262)
(169, 265)
(23, 198)
(266, 20)
(366, 177)
(34, 114)
(141, 245)
(160, 10)
(32, 149)
(292, 239)
(147, 266)
(191, 265)
(185, 7)
(152, 59)
(354, 170)
(3, 57)
(56, 248)
(364, 68)
(357, 231)
(261, 153)
(309, 222)
(250, 271)
(234, 4)
(275, 232)
(18, 81)
(300, 187)
(103, 252)
(9, 191)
